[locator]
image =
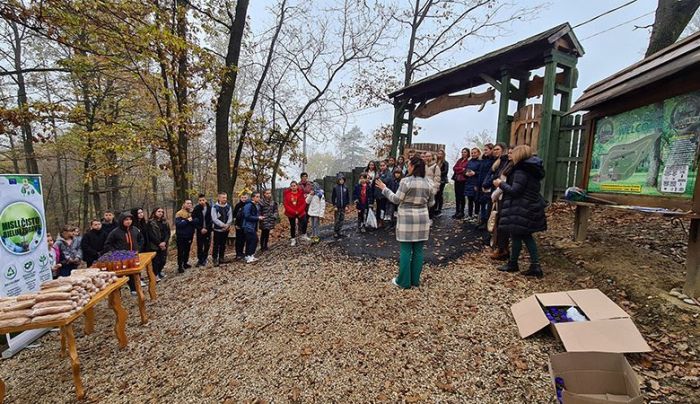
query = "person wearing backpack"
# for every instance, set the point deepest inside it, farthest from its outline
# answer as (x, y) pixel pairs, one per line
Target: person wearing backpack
(222, 218)
(238, 224)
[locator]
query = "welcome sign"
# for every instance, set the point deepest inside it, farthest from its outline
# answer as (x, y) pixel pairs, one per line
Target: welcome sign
(24, 260)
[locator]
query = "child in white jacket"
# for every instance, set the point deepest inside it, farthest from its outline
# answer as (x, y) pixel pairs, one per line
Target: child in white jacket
(317, 209)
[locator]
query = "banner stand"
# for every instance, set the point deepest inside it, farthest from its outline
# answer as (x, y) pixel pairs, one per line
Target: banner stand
(24, 255)
(20, 341)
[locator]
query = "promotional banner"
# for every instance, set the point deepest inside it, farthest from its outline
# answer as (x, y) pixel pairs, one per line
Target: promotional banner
(652, 150)
(24, 260)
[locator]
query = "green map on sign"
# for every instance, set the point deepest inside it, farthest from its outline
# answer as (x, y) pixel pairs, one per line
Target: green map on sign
(21, 228)
(651, 150)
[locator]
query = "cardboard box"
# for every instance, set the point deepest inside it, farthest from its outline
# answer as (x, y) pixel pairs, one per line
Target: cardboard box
(609, 328)
(595, 378)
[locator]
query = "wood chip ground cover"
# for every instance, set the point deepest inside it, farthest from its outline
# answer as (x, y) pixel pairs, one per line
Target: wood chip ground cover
(311, 324)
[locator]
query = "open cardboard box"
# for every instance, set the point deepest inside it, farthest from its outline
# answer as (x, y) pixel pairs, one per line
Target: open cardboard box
(609, 328)
(595, 378)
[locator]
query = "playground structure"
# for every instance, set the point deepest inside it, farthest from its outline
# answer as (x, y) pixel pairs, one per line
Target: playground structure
(509, 72)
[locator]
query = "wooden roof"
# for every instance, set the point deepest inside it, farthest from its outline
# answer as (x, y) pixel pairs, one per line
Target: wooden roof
(667, 62)
(525, 55)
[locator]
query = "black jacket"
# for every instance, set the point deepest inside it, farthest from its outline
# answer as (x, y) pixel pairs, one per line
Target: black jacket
(444, 169)
(203, 217)
(92, 245)
(157, 232)
(522, 206)
(340, 198)
(123, 238)
(238, 217)
(108, 227)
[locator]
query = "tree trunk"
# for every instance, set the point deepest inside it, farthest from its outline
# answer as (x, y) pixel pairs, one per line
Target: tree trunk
(27, 139)
(256, 94)
(225, 98)
(13, 153)
(154, 177)
(672, 16)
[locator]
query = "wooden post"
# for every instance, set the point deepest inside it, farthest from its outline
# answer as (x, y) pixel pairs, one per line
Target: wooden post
(503, 131)
(583, 213)
(692, 262)
(545, 142)
(396, 135)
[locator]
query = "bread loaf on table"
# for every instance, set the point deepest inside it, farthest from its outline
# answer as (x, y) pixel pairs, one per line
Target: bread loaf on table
(14, 314)
(51, 310)
(54, 303)
(42, 297)
(24, 304)
(51, 317)
(14, 322)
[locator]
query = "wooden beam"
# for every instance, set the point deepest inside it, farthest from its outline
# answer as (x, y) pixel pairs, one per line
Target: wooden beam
(503, 131)
(546, 143)
(493, 82)
(448, 102)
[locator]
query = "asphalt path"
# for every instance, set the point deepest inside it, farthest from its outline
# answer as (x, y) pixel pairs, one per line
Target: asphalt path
(449, 239)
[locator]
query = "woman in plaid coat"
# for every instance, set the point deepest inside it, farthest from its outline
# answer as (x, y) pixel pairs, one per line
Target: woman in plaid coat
(415, 196)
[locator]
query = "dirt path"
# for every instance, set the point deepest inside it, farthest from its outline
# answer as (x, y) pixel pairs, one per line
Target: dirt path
(312, 324)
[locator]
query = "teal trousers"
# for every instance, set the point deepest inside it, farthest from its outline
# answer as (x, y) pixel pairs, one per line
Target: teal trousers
(410, 264)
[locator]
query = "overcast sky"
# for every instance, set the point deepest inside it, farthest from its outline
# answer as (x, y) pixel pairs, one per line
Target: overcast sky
(605, 54)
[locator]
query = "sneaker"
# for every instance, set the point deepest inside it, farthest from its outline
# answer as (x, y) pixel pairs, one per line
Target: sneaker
(293, 242)
(159, 278)
(216, 262)
(535, 270)
(162, 275)
(143, 284)
(181, 270)
(133, 293)
(305, 238)
(393, 282)
(250, 259)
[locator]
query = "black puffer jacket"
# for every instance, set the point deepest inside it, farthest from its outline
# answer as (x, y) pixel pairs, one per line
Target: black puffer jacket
(522, 211)
(124, 238)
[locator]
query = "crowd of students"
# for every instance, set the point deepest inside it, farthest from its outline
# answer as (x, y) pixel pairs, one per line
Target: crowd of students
(500, 185)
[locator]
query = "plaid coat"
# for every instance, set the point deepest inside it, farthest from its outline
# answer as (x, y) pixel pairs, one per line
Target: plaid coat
(414, 196)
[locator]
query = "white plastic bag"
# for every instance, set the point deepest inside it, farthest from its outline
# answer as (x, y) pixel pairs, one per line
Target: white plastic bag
(371, 220)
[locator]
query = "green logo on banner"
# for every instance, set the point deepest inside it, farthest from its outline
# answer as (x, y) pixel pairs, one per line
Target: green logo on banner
(21, 228)
(11, 272)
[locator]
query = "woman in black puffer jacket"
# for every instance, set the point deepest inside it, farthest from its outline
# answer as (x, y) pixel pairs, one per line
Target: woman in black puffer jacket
(522, 212)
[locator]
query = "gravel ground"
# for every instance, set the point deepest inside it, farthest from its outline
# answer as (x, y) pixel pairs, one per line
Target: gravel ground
(323, 329)
(311, 324)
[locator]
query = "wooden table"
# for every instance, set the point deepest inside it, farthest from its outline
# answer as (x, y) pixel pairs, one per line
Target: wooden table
(112, 293)
(145, 262)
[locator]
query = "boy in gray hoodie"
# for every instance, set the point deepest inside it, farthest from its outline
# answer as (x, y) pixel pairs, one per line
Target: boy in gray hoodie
(222, 219)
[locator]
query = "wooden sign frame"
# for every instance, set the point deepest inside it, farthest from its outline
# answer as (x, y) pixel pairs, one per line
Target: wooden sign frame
(659, 91)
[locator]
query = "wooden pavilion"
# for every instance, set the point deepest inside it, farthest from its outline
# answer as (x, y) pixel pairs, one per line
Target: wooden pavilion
(508, 71)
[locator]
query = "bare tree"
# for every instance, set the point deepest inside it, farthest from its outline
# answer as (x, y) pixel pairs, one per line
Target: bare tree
(318, 49)
(672, 17)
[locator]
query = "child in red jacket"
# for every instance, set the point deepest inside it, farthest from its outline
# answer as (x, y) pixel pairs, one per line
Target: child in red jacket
(294, 209)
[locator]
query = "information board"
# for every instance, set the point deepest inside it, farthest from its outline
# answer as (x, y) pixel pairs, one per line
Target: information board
(651, 150)
(24, 260)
